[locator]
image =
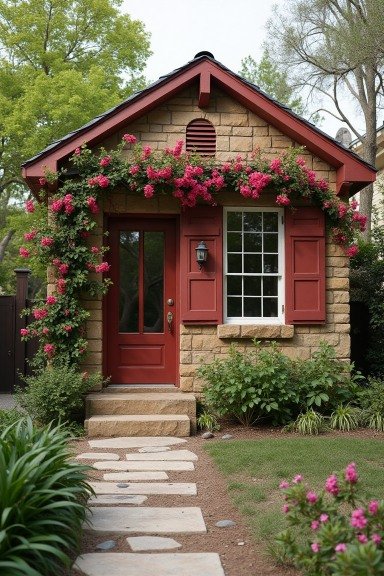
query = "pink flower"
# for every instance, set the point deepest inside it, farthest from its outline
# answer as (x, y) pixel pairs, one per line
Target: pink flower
(311, 497)
(352, 250)
(342, 209)
(282, 200)
(149, 191)
(331, 485)
(45, 331)
(285, 508)
(51, 300)
(324, 518)
(103, 181)
(28, 236)
(103, 267)
(92, 204)
(130, 138)
(362, 538)
(57, 205)
(24, 252)
(376, 538)
(315, 524)
(49, 349)
(63, 269)
(105, 161)
(61, 286)
(95, 250)
(134, 169)
(327, 204)
(39, 313)
(297, 479)
(351, 474)
(24, 332)
(315, 547)
(340, 547)
(43, 181)
(284, 484)
(358, 520)
(77, 151)
(373, 507)
(67, 328)
(147, 150)
(300, 161)
(275, 165)
(29, 206)
(354, 204)
(47, 241)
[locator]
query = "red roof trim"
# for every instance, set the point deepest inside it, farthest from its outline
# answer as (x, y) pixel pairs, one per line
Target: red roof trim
(349, 168)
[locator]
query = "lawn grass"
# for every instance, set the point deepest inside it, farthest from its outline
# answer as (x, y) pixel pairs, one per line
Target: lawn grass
(254, 469)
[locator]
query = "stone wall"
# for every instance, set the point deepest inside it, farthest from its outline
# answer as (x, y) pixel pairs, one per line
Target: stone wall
(238, 132)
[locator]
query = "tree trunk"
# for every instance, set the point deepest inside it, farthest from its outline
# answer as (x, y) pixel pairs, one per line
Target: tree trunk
(4, 243)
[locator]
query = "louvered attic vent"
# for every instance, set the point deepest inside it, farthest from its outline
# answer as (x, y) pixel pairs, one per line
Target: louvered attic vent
(201, 137)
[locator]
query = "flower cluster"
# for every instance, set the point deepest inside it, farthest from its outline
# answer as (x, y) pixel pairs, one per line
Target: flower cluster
(62, 242)
(339, 532)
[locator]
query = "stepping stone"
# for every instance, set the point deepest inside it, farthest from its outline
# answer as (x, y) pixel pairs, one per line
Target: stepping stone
(164, 564)
(97, 456)
(154, 449)
(150, 465)
(115, 499)
(147, 520)
(135, 442)
(182, 488)
(132, 476)
(142, 543)
(184, 455)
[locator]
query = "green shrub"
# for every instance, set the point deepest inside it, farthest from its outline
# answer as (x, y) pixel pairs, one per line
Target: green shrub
(309, 422)
(371, 399)
(43, 500)
(8, 417)
(56, 394)
(207, 421)
(250, 386)
(345, 418)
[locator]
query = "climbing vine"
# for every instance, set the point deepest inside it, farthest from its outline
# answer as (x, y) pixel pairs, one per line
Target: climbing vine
(67, 244)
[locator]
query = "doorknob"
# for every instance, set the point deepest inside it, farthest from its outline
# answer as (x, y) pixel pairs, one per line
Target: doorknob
(169, 320)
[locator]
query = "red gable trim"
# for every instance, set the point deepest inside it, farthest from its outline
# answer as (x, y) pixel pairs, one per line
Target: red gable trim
(349, 168)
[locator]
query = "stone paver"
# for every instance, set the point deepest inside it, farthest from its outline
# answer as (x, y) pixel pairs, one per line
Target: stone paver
(146, 543)
(147, 520)
(182, 488)
(184, 455)
(116, 499)
(97, 456)
(132, 476)
(135, 442)
(126, 466)
(164, 564)
(154, 449)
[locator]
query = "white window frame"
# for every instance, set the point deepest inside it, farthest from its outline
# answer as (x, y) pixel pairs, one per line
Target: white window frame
(280, 318)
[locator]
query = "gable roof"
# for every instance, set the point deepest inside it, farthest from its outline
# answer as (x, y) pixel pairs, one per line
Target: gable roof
(353, 173)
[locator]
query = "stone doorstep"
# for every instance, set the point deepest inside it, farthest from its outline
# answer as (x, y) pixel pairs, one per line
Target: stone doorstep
(141, 403)
(127, 466)
(185, 520)
(181, 488)
(164, 564)
(184, 455)
(135, 442)
(139, 425)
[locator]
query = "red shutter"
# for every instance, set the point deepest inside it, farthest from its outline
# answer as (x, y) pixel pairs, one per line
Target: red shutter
(201, 292)
(305, 266)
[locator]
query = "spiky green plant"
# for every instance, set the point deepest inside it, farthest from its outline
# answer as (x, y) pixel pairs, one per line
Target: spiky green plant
(43, 500)
(345, 417)
(310, 422)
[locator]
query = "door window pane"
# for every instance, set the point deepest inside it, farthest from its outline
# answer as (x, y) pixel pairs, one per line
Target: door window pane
(153, 281)
(129, 281)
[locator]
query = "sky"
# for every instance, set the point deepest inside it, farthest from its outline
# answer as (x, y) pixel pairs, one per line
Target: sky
(229, 29)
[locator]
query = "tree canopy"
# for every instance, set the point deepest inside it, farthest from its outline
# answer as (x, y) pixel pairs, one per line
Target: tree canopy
(336, 47)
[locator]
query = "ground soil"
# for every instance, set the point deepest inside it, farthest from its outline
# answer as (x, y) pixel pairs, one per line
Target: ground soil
(240, 554)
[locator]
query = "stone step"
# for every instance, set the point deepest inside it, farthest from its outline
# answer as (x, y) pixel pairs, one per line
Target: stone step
(141, 403)
(141, 388)
(138, 425)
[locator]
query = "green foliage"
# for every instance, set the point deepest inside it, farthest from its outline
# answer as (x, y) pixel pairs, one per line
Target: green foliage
(310, 422)
(207, 421)
(43, 501)
(267, 75)
(264, 383)
(333, 532)
(345, 418)
(371, 400)
(56, 394)
(8, 417)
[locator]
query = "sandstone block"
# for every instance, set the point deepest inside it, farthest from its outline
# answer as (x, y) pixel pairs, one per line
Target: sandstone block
(185, 342)
(235, 119)
(240, 144)
(242, 131)
(95, 345)
(228, 331)
(337, 283)
(341, 297)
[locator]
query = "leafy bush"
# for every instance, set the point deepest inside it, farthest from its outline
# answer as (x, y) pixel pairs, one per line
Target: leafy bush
(8, 417)
(264, 383)
(56, 394)
(371, 399)
(43, 500)
(334, 532)
(207, 421)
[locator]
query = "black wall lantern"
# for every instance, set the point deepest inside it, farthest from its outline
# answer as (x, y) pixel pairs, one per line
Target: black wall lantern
(201, 253)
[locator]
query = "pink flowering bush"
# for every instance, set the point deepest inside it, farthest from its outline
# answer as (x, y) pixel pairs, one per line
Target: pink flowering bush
(62, 244)
(333, 531)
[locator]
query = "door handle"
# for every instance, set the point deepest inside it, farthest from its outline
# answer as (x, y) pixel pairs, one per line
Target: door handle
(170, 320)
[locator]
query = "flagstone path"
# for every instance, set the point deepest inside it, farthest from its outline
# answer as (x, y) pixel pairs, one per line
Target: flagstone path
(119, 507)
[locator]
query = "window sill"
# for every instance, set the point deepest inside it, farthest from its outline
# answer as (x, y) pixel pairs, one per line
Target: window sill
(262, 331)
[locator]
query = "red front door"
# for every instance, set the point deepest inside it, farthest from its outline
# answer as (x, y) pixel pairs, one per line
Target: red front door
(141, 304)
